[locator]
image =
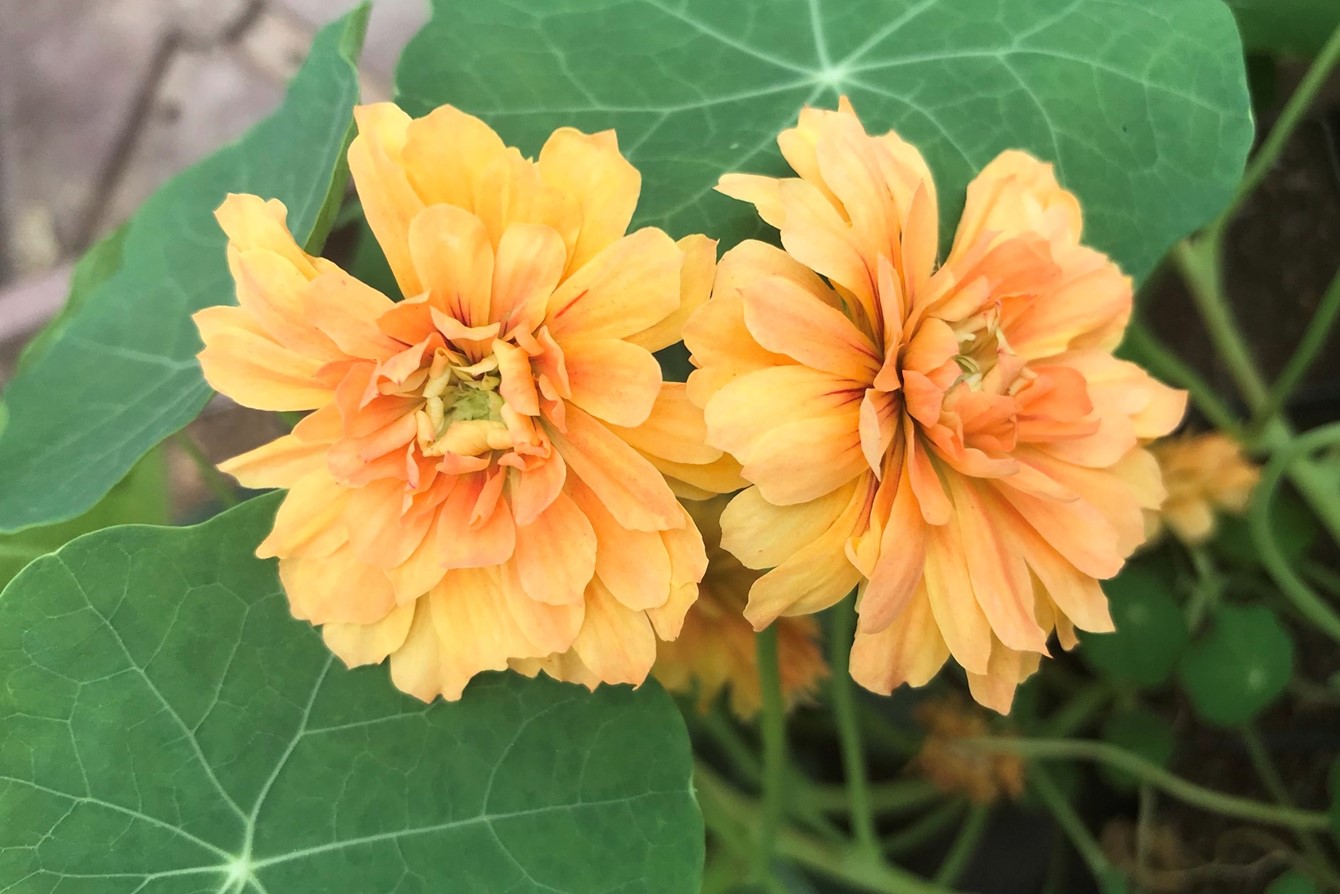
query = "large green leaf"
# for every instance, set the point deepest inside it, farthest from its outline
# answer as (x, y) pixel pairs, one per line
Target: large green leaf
(169, 729)
(1142, 105)
(119, 373)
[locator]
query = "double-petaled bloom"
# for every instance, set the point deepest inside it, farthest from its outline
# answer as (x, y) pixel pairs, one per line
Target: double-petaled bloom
(479, 484)
(956, 440)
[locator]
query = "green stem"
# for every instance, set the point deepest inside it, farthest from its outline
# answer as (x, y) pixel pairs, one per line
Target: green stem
(964, 846)
(1051, 796)
(1287, 123)
(1200, 266)
(1306, 600)
(727, 809)
(842, 630)
(209, 473)
(1155, 356)
(1274, 784)
(1188, 792)
(773, 722)
(1209, 587)
(1311, 344)
(721, 731)
(887, 797)
(923, 829)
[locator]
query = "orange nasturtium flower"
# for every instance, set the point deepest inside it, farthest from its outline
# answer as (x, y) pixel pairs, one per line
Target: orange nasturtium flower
(716, 652)
(957, 440)
(1203, 473)
(478, 484)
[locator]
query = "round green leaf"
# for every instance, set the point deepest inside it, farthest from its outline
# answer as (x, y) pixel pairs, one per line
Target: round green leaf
(1239, 666)
(1139, 730)
(1142, 105)
(169, 729)
(1151, 630)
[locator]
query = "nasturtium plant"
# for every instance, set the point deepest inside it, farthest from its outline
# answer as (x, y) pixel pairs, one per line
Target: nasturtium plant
(167, 727)
(1151, 630)
(1240, 666)
(904, 430)
(118, 374)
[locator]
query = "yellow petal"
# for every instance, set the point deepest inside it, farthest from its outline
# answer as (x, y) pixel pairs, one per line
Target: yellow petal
(628, 485)
(360, 644)
(590, 169)
(556, 553)
(611, 379)
(389, 200)
(615, 642)
(454, 261)
(630, 285)
(695, 285)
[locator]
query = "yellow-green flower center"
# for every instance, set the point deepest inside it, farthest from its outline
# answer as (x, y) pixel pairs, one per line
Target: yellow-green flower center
(462, 409)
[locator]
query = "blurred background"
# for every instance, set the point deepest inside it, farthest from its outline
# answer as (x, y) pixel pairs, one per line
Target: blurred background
(101, 101)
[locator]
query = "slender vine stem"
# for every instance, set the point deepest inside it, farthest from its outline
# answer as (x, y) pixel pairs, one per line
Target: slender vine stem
(1306, 600)
(849, 731)
(1077, 712)
(774, 751)
(209, 473)
(964, 846)
(1159, 778)
(1201, 268)
(923, 828)
(886, 797)
(1302, 358)
(1050, 795)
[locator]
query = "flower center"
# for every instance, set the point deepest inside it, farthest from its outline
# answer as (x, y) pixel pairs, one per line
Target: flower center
(984, 351)
(462, 409)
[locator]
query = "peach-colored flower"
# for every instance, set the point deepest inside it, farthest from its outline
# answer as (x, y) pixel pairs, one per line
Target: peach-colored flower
(477, 482)
(1203, 473)
(958, 441)
(716, 649)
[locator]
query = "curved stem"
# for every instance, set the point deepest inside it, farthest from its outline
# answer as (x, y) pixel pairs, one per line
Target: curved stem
(1287, 123)
(1200, 266)
(774, 751)
(1303, 597)
(849, 732)
(1313, 340)
(964, 846)
(1188, 792)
